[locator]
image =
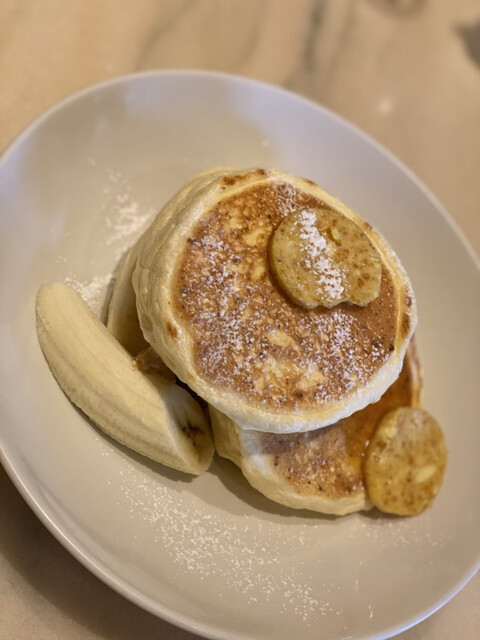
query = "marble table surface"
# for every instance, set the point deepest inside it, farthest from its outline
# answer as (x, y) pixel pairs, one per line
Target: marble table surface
(405, 71)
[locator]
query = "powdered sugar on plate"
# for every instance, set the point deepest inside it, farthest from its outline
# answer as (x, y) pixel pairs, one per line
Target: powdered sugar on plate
(300, 567)
(125, 215)
(120, 220)
(242, 554)
(93, 291)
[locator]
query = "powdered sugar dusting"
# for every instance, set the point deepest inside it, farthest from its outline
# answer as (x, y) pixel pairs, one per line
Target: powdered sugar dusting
(236, 552)
(295, 569)
(318, 258)
(125, 217)
(117, 223)
(93, 291)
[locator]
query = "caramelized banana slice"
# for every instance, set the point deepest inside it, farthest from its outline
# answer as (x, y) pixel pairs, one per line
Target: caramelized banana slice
(321, 257)
(405, 462)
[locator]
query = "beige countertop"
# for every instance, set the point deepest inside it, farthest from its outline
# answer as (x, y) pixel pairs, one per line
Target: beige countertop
(405, 71)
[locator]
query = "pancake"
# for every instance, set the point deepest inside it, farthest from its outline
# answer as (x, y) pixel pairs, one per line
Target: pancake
(322, 470)
(209, 305)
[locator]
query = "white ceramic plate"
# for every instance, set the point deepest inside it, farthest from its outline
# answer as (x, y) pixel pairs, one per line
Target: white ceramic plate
(210, 554)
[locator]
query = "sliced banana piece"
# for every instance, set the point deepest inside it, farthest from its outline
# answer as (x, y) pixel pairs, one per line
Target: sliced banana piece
(405, 462)
(145, 412)
(122, 320)
(321, 257)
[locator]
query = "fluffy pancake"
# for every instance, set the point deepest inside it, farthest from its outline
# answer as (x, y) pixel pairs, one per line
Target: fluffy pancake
(320, 470)
(209, 305)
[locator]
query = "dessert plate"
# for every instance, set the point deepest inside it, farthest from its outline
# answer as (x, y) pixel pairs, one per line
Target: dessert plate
(210, 554)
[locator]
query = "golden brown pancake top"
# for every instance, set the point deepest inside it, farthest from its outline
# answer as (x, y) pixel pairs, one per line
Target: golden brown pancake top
(247, 335)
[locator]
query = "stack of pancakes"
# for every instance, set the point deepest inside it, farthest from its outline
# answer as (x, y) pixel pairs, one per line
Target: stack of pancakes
(294, 393)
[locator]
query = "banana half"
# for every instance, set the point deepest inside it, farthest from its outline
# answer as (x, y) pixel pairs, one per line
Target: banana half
(145, 412)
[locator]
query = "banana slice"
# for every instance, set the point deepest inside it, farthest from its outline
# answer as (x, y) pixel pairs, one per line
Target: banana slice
(321, 257)
(145, 412)
(122, 320)
(405, 462)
